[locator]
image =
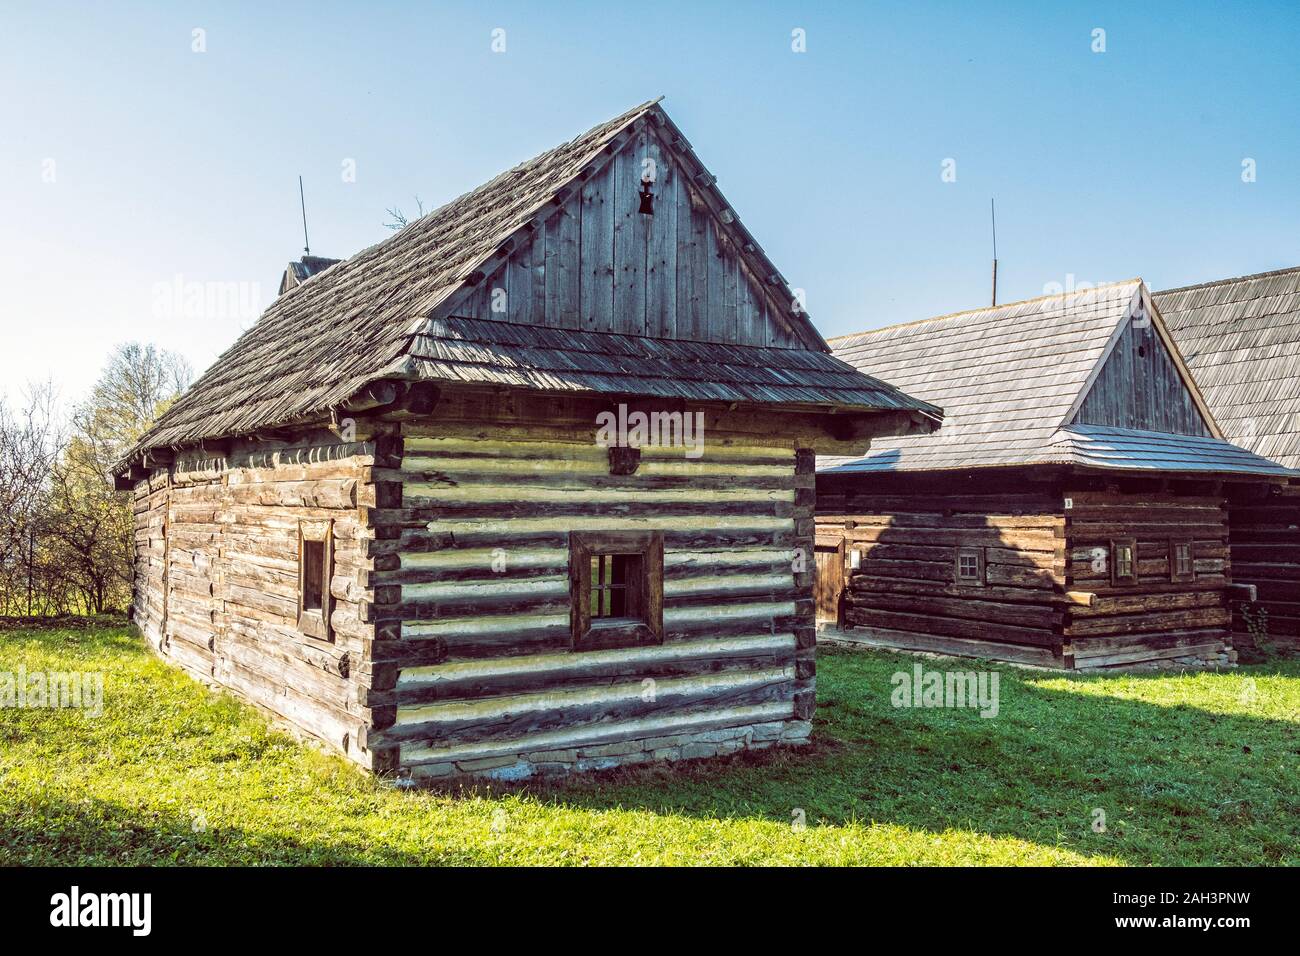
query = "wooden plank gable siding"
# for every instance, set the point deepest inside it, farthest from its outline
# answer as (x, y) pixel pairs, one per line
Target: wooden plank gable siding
(216, 585)
(674, 274)
(1139, 386)
(476, 649)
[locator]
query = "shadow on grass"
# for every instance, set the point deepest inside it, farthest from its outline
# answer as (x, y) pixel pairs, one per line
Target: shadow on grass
(1175, 784)
(95, 832)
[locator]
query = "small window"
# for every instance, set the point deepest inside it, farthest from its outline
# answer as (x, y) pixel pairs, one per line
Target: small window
(1123, 561)
(613, 588)
(315, 568)
(970, 566)
(616, 581)
(1181, 566)
(313, 572)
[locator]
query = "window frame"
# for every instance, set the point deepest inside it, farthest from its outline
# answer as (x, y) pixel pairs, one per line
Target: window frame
(1117, 579)
(646, 627)
(1174, 574)
(981, 578)
(315, 622)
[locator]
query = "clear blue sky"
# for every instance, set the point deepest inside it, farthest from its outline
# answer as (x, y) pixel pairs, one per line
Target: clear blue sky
(169, 163)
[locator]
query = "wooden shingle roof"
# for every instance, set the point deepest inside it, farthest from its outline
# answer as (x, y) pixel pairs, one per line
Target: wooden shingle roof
(373, 316)
(1134, 449)
(1241, 339)
(1010, 379)
(567, 360)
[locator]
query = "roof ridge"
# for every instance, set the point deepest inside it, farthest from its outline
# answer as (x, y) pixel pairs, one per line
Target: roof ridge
(986, 308)
(1208, 285)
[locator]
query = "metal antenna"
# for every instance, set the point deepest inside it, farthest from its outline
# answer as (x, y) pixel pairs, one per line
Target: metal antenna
(306, 245)
(993, 215)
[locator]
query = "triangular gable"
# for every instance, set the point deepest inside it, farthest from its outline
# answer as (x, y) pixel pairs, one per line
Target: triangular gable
(590, 259)
(1140, 381)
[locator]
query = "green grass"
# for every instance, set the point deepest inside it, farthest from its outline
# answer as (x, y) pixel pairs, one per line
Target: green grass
(1201, 769)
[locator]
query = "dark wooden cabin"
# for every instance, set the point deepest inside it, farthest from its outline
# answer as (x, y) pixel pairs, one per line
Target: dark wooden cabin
(1071, 512)
(389, 516)
(1241, 339)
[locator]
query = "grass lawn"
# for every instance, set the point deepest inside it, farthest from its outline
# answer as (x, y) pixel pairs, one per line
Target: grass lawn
(1201, 769)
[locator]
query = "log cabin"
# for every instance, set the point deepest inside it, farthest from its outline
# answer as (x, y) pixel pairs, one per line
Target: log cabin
(1070, 513)
(525, 488)
(1241, 339)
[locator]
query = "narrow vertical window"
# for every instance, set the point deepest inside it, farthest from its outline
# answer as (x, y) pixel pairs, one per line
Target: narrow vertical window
(1123, 561)
(315, 568)
(1181, 564)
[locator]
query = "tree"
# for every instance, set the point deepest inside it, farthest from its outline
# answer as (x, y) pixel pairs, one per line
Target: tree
(137, 385)
(398, 218)
(90, 533)
(65, 534)
(29, 444)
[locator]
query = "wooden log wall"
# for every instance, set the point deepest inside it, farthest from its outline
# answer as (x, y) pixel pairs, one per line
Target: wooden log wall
(217, 578)
(1156, 618)
(1264, 542)
(471, 602)
(150, 549)
(904, 593)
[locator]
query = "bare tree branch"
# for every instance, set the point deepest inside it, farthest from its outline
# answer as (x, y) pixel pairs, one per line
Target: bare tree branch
(398, 218)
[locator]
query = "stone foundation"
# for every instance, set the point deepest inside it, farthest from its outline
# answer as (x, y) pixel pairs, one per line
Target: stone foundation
(1221, 659)
(690, 746)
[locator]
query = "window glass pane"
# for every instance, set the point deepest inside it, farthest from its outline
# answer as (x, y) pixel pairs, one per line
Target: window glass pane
(1124, 560)
(313, 575)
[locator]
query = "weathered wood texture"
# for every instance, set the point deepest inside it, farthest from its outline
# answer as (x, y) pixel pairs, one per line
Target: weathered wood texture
(598, 264)
(1139, 386)
(1241, 339)
(1087, 379)
(828, 590)
(904, 593)
(1155, 618)
(1048, 596)
(473, 645)
(1264, 540)
(216, 586)
(556, 243)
